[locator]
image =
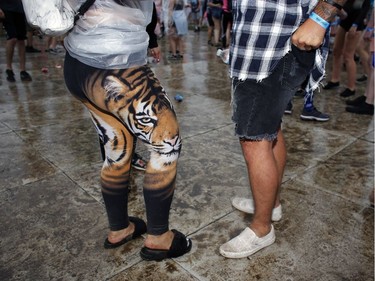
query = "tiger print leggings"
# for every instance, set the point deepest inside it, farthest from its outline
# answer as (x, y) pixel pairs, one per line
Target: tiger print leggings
(127, 104)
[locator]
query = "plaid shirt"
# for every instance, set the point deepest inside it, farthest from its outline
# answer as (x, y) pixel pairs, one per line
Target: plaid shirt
(261, 37)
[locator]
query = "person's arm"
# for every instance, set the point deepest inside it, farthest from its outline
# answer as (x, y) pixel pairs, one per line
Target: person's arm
(153, 41)
(310, 34)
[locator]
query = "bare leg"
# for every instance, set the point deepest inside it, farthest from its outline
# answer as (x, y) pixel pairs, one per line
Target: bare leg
(21, 53)
(10, 45)
(337, 54)
(362, 51)
(209, 33)
(351, 43)
(173, 43)
(217, 30)
(265, 163)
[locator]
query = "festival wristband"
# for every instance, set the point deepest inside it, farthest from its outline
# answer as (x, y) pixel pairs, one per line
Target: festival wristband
(369, 29)
(322, 22)
(332, 3)
(354, 25)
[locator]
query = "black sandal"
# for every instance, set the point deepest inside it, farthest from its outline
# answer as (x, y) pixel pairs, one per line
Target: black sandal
(180, 246)
(139, 229)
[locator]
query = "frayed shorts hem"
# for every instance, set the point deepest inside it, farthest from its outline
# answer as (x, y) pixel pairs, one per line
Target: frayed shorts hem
(266, 137)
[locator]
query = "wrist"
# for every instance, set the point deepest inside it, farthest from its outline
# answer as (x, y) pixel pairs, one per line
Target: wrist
(319, 20)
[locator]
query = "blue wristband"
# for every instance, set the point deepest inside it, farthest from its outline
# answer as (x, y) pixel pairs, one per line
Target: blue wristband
(322, 22)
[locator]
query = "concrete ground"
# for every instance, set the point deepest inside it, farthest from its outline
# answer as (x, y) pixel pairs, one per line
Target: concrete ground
(53, 221)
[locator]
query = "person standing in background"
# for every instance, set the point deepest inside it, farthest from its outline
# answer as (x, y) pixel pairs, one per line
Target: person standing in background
(348, 34)
(14, 23)
(215, 11)
(364, 104)
(227, 22)
(177, 28)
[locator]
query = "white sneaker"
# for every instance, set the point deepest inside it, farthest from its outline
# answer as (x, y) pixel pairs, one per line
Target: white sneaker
(246, 244)
(247, 205)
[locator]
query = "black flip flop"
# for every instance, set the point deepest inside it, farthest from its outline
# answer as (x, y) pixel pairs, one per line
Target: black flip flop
(180, 246)
(139, 229)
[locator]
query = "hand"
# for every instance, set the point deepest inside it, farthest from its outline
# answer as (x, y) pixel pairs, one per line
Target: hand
(367, 36)
(155, 53)
(308, 36)
(353, 29)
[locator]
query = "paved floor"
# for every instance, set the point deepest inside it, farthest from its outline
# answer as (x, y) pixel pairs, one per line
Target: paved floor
(53, 221)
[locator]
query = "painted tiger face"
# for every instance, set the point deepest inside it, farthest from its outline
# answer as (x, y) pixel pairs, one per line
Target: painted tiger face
(142, 104)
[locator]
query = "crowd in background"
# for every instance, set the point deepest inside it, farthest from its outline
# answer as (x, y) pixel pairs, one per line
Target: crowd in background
(351, 40)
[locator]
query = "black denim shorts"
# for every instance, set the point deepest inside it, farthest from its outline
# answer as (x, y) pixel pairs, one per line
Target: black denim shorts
(258, 107)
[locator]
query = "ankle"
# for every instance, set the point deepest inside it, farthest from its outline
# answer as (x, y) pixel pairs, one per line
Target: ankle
(118, 235)
(260, 230)
(161, 242)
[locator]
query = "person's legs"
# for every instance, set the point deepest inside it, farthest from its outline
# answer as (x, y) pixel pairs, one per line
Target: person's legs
(364, 54)
(9, 47)
(228, 32)
(142, 109)
(351, 43)
(217, 31)
(180, 47)
(118, 146)
(155, 123)
(210, 28)
(257, 113)
(172, 38)
(22, 54)
(173, 41)
(116, 140)
(265, 164)
(15, 27)
(224, 28)
(9, 24)
(338, 46)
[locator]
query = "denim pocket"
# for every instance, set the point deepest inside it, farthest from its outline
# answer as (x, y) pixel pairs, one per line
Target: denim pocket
(305, 58)
(297, 65)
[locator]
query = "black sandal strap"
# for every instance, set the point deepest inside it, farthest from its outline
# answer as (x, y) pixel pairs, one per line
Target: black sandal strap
(180, 246)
